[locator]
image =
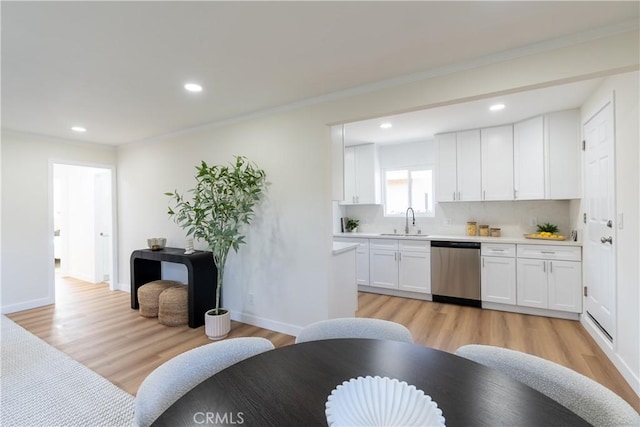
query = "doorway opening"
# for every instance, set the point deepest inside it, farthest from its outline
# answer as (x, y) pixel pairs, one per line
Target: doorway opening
(83, 222)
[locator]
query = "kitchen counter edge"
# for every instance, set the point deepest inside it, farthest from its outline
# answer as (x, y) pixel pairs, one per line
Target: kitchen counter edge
(458, 238)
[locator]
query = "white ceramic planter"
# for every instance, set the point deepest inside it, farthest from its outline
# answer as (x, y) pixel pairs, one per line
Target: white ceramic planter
(217, 326)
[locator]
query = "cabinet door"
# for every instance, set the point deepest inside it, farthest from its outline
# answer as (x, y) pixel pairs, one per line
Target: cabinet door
(528, 159)
(350, 174)
(565, 283)
(365, 159)
(337, 163)
(362, 265)
(497, 163)
(415, 272)
(499, 280)
(468, 165)
(564, 168)
(446, 184)
(532, 283)
(383, 268)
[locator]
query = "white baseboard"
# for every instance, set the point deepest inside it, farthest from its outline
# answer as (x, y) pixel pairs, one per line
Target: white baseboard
(283, 328)
(81, 276)
(121, 287)
(394, 292)
(27, 305)
(607, 347)
(530, 310)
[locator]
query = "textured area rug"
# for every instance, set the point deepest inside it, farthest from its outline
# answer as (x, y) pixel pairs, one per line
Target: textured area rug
(41, 386)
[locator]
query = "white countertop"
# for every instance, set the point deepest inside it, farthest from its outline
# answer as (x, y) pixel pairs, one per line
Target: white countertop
(460, 238)
(340, 247)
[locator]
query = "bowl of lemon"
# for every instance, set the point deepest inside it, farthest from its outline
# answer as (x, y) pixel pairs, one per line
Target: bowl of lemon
(546, 231)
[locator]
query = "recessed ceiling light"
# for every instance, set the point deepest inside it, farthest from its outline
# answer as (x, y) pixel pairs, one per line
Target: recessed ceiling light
(78, 129)
(385, 125)
(497, 107)
(193, 87)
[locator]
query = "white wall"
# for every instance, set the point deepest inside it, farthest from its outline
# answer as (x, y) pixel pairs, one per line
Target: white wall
(286, 263)
(625, 351)
(27, 207)
(450, 218)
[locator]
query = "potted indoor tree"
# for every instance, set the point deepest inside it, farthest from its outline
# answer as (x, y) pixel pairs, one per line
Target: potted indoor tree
(221, 203)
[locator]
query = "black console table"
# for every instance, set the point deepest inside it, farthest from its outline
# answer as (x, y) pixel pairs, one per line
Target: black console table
(202, 277)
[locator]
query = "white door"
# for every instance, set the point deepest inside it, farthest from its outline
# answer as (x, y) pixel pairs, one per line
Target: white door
(599, 202)
(102, 200)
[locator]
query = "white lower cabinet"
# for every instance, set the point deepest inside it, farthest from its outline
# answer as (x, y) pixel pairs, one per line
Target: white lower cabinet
(550, 277)
(546, 277)
(362, 258)
(383, 264)
(498, 275)
(400, 264)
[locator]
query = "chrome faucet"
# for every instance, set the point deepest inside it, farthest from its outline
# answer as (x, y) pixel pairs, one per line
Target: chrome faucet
(413, 216)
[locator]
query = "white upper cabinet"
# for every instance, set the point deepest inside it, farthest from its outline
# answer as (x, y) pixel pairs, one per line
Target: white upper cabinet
(529, 159)
(469, 171)
(458, 166)
(446, 178)
(534, 159)
(361, 179)
(337, 162)
(547, 157)
(564, 148)
(497, 163)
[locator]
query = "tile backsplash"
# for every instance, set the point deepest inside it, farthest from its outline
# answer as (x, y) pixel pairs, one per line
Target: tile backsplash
(513, 218)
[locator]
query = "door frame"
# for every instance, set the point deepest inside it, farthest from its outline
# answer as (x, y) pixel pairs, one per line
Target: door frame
(589, 324)
(114, 222)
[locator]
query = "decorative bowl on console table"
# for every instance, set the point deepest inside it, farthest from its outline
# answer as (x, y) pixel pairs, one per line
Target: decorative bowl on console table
(156, 243)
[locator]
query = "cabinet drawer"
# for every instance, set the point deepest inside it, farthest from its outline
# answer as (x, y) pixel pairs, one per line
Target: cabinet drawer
(414, 245)
(566, 253)
(498, 249)
(389, 244)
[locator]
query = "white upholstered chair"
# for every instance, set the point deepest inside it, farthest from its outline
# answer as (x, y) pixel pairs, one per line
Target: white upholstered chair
(171, 380)
(593, 402)
(355, 327)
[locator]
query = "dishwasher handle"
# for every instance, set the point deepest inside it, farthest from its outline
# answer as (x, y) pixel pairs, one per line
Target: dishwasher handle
(449, 244)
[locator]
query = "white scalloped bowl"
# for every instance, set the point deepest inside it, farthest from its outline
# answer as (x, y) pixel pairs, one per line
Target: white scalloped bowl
(376, 401)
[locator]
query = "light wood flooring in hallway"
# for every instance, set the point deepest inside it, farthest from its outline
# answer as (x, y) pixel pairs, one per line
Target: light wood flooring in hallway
(98, 328)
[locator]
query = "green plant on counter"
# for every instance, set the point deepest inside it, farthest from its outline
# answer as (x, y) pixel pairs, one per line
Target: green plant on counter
(351, 224)
(547, 227)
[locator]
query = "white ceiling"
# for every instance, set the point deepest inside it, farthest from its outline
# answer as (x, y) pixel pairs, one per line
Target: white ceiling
(423, 125)
(117, 68)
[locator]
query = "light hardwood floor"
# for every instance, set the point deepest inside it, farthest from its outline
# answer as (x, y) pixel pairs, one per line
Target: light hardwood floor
(98, 328)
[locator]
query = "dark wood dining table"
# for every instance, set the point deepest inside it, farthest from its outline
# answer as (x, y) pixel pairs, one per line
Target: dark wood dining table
(289, 386)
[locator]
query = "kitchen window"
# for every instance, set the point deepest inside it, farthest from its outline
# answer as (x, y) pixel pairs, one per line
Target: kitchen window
(408, 187)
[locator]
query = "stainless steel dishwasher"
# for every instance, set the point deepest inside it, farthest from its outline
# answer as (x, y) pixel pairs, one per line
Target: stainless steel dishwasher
(455, 272)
